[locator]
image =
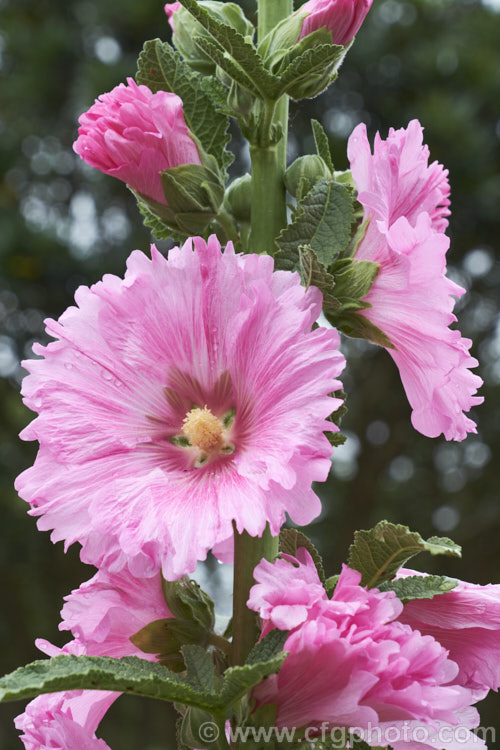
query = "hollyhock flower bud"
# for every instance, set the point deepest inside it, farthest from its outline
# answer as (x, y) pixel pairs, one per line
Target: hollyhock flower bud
(351, 663)
(133, 134)
(185, 28)
(411, 300)
(466, 621)
(102, 615)
(343, 18)
(188, 395)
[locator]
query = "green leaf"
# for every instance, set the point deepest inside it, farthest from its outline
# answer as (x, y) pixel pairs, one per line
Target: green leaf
(322, 143)
(330, 584)
(239, 680)
(336, 438)
(126, 675)
(228, 65)
(291, 540)
(322, 221)
(216, 91)
(419, 587)
(313, 71)
(237, 46)
(161, 68)
(200, 672)
(269, 647)
(379, 553)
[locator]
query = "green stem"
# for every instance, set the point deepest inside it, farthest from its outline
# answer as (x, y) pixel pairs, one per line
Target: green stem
(248, 552)
(269, 160)
(268, 219)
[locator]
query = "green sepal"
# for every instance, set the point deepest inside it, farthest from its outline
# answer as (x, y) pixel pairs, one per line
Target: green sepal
(291, 540)
(187, 601)
(192, 188)
(419, 587)
(322, 221)
(166, 637)
(379, 553)
(161, 68)
(308, 74)
(237, 47)
(322, 145)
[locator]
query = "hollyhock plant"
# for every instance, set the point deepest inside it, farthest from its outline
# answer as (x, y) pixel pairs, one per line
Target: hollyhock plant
(134, 135)
(343, 18)
(188, 395)
(351, 663)
(466, 621)
(406, 203)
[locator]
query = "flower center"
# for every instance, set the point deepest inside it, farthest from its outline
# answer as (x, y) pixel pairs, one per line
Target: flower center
(203, 429)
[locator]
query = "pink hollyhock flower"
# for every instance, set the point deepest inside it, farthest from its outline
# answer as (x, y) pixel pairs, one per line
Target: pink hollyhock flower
(342, 17)
(133, 134)
(286, 590)
(352, 664)
(189, 394)
(105, 611)
(102, 615)
(412, 299)
(466, 621)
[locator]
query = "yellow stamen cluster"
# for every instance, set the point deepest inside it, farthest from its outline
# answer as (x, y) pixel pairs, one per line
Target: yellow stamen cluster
(203, 429)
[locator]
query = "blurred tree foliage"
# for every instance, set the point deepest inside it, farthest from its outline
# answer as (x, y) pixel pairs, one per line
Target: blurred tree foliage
(63, 224)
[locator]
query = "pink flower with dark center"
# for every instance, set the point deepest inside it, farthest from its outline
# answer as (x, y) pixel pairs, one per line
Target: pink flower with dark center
(133, 134)
(102, 615)
(406, 202)
(188, 395)
(466, 621)
(342, 17)
(351, 664)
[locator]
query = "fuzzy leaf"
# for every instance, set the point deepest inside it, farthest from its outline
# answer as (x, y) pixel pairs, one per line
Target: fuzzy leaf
(126, 675)
(330, 584)
(268, 647)
(165, 639)
(322, 143)
(159, 229)
(322, 221)
(237, 46)
(239, 680)
(379, 553)
(200, 672)
(161, 68)
(226, 62)
(419, 587)
(291, 540)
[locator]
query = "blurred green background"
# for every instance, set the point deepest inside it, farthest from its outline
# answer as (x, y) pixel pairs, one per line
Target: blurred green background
(63, 224)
